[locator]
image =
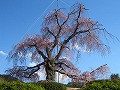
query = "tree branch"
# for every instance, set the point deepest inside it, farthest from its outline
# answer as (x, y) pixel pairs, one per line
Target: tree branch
(32, 68)
(40, 52)
(69, 38)
(51, 33)
(69, 75)
(61, 63)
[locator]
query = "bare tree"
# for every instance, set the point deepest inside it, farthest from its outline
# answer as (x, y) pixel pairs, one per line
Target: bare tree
(60, 32)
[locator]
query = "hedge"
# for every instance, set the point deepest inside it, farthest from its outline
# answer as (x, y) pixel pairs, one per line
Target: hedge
(52, 85)
(16, 85)
(103, 85)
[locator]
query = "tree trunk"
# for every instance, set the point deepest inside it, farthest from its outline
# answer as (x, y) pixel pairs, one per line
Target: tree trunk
(50, 70)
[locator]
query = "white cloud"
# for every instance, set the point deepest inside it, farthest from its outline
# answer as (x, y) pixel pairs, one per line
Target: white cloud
(32, 64)
(82, 49)
(3, 53)
(76, 47)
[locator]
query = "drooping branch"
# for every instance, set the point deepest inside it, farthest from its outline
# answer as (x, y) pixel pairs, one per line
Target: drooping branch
(64, 66)
(60, 64)
(69, 75)
(100, 70)
(23, 72)
(32, 68)
(90, 76)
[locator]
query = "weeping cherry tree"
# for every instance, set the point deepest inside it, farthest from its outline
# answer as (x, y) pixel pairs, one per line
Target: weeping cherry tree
(60, 32)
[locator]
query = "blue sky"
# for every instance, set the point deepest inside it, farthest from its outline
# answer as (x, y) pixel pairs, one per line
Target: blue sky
(19, 18)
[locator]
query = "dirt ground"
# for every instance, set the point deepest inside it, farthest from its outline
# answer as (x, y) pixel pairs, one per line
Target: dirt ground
(73, 89)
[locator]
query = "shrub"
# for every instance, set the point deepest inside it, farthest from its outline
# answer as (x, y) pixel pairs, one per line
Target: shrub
(75, 84)
(8, 78)
(52, 85)
(103, 85)
(93, 86)
(19, 86)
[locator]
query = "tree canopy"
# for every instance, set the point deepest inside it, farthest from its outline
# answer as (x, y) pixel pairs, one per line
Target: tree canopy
(59, 34)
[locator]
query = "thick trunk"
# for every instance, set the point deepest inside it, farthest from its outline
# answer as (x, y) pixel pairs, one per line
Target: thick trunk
(50, 70)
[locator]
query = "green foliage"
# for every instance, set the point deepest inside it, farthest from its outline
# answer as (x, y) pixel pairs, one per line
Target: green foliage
(75, 84)
(103, 85)
(93, 86)
(16, 85)
(52, 85)
(8, 78)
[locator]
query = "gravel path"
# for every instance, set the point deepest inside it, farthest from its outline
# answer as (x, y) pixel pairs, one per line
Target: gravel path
(73, 89)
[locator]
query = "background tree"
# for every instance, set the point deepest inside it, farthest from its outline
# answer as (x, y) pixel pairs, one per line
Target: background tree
(114, 77)
(8, 78)
(60, 32)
